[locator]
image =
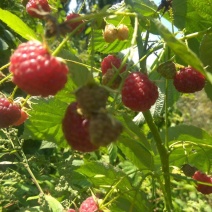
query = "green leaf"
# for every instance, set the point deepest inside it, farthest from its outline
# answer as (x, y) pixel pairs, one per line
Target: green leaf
(179, 48)
(3, 45)
(136, 153)
(16, 24)
(179, 11)
(205, 56)
(189, 133)
(45, 120)
(104, 175)
(80, 75)
(54, 204)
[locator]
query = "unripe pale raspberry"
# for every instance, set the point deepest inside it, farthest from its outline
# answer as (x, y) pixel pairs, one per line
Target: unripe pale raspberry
(76, 130)
(204, 189)
(110, 33)
(9, 112)
(122, 32)
(189, 80)
(35, 71)
(138, 92)
(33, 7)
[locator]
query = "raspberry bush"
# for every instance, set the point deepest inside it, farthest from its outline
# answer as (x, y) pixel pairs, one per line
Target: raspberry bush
(89, 116)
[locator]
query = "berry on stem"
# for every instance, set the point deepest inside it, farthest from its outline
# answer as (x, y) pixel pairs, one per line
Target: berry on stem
(122, 32)
(76, 130)
(189, 80)
(89, 205)
(110, 33)
(22, 119)
(138, 92)
(167, 69)
(35, 71)
(33, 7)
(72, 25)
(110, 62)
(9, 112)
(204, 189)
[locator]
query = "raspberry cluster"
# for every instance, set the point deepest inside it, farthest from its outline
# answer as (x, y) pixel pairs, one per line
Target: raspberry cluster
(111, 33)
(35, 71)
(86, 124)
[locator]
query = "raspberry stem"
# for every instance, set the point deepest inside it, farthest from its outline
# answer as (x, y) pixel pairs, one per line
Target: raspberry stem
(164, 157)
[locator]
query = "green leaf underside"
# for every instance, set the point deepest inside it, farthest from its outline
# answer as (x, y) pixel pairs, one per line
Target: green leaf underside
(16, 24)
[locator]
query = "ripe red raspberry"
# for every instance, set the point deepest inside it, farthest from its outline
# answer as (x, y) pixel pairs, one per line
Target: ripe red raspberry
(76, 130)
(33, 8)
(89, 205)
(204, 189)
(72, 24)
(189, 80)
(138, 92)
(37, 72)
(111, 61)
(9, 112)
(110, 33)
(22, 119)
(122, 32)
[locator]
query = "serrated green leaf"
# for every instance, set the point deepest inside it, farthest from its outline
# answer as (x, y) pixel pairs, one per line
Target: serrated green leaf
(136, 153)
(45, 121)
(105, 175)
(179, 48)
(54, 204)
(16, 24)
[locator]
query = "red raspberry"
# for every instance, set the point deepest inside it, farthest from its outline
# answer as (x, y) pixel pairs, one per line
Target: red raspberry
(71, 210)
(138, 92)
(37, 72)
(204, 189)
(110, 33)
(9, 112)
(22, 119)
(72, 24)
(76, 130)
(122, 32)
(189, 80)
(89, 205)
(111, 61)
(33, 8)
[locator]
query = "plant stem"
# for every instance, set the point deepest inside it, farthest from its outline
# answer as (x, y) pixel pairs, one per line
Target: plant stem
(164, 157)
